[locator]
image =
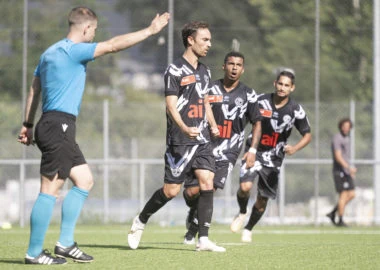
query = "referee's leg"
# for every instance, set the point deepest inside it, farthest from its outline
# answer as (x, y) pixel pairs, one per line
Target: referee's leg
(72, 205)
(42, 212)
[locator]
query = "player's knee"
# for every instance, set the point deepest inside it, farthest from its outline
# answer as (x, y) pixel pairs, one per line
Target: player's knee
(261, 208)
(52, 192)
(171, 194)
(191, 192)
(90, 184)
(86, 183)
(261, 204)
(245, 187)
(243, 193)
(171, 191)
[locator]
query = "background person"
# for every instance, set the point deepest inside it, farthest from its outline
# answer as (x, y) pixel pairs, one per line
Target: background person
(343, 172)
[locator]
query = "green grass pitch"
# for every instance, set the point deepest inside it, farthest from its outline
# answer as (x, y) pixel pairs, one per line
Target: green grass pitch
(285, 247)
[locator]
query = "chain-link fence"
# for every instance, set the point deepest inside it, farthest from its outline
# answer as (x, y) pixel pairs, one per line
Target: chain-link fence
(128, 168)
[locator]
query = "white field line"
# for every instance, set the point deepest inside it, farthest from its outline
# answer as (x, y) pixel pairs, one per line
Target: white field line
(343, 231)
(301, 232)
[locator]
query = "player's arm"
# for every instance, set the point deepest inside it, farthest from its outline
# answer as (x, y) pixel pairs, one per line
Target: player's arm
(171, 107)
(250, 156)
(254, 115)
(305, 140)
(303, 127)
(26, 132)
(342, 162)
(125, 41)
(210, 118)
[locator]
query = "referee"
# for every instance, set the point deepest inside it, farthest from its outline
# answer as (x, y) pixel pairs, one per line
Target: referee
(59, 80)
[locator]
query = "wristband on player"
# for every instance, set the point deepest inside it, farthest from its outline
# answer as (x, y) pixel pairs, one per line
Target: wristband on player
(252, 150)
(27, 125)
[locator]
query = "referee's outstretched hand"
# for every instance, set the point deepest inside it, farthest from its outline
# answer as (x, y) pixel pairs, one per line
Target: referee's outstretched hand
(159, 22)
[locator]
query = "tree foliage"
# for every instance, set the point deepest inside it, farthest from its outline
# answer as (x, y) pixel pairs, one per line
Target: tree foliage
(271, 33)
(274, 34)
(10, 48)
(47, 23)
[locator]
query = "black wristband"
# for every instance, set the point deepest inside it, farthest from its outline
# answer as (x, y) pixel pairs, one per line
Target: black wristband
(27, 125)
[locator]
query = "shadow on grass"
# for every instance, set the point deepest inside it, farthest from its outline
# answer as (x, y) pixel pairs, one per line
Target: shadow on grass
(12, 261)
(145, 246)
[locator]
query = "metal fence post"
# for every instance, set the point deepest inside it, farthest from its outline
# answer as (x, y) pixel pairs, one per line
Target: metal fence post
(22, 194)
(281, 195)
(134, 170)
(142, 185)
(106, 157)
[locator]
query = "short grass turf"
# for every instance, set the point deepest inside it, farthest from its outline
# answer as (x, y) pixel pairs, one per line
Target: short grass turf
(285, 247)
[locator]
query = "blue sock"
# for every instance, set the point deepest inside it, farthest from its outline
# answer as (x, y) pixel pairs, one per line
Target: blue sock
(71, 208)
(39, 222)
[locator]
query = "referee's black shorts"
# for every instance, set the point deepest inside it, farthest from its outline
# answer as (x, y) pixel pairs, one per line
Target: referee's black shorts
(55, 137)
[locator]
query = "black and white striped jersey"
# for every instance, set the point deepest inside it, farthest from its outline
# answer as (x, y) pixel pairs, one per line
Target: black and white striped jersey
(190, 86)
(276, 127)
(232, 111)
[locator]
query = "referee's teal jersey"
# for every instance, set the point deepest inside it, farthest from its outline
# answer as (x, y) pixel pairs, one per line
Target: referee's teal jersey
(62, 72)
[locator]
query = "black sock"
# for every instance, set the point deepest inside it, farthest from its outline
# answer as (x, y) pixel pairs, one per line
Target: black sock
(193, 229)
(254, 218)
(192, 217)
(340, 219)
(155, 202)
(242, 199)
(205, 208)
(335, 209)
(191, 202)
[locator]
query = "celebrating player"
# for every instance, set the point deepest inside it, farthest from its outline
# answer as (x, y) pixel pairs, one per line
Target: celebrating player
(279, 114)
(188, 152)
(60, 80)
(233, 105)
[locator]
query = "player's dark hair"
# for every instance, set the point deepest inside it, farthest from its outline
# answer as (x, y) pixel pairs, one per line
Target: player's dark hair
(81, 14)
(233, 54)
(288, 74)
(344, 120)
(191, 28)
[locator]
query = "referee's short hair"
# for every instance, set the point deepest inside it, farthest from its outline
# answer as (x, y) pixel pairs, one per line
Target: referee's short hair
(79, 15)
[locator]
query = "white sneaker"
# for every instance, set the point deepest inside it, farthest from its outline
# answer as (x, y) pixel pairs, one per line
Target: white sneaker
(246, 236)
(238, 222)
(189, 241)
(209, 246)
(135, 234)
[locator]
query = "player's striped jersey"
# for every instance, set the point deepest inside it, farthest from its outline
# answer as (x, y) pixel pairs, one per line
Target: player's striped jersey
(232, 111)
(276, 127)
(190, 86)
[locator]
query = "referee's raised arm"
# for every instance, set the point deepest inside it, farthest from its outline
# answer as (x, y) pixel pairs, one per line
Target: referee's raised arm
(122, 42)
